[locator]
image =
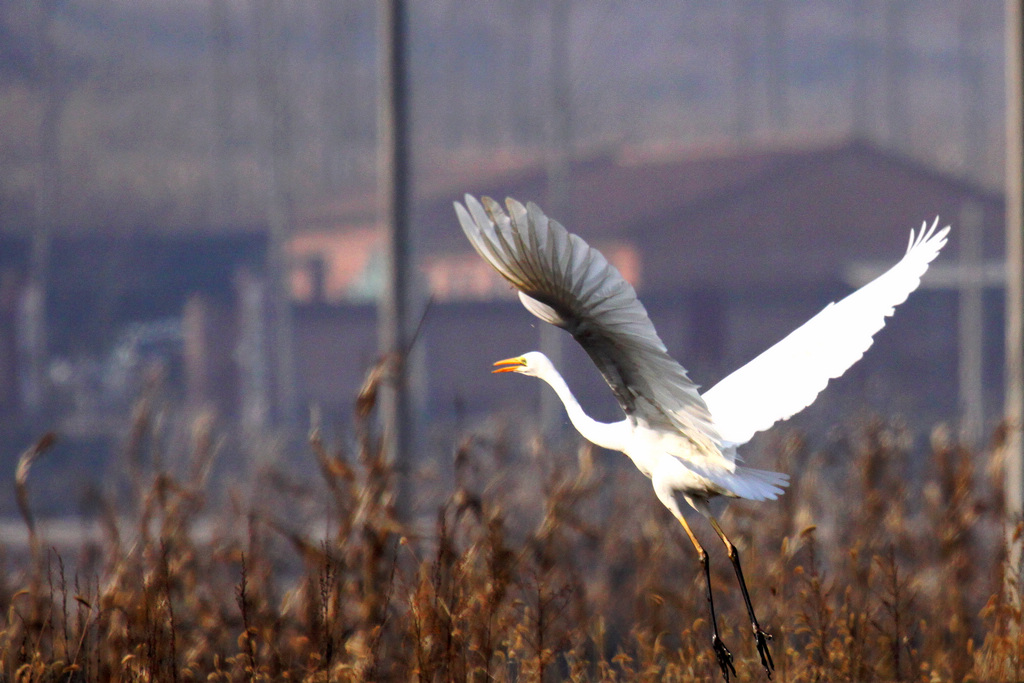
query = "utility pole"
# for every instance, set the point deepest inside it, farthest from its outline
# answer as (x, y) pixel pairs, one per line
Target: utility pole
(225, 184)
(395, 194)
(970, 323)
(971, 223)
(557, 169)
(32, 333)
(895, 64)
(1014, 401)
(973, 103)
(276, 147)
(777, 58)
(864, 65)
(972, 220)
(743, 73)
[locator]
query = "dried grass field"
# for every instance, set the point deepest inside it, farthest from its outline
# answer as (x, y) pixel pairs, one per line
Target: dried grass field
(535, 564)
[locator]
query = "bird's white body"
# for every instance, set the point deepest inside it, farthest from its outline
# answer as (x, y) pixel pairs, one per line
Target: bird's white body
(652, 451)
(684, 441)
(674, 464)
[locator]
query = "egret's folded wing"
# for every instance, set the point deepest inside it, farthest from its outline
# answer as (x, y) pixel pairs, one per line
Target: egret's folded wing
(565, 282)
(786, 378)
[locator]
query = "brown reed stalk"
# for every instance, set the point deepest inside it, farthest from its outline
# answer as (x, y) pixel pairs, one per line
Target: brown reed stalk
(25, 462)
(538, 563)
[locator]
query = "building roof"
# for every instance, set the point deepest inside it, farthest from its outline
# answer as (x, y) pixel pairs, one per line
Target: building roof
(740, 217)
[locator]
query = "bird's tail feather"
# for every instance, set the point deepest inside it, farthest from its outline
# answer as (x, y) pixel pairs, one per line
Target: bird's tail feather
(746, 482)
(737, 481)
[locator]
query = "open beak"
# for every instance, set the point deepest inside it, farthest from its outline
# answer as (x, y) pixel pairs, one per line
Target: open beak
(509, 364)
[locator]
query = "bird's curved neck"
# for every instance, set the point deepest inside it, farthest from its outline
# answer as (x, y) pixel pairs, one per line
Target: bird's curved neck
(603, 434)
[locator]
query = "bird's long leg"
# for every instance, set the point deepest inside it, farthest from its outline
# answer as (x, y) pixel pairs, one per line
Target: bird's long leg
(722, 653)
(760, 635)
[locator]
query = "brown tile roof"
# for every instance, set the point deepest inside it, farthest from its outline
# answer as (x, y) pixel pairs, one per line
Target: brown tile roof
(740, 218)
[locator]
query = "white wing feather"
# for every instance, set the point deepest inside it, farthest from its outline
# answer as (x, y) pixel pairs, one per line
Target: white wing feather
(787, 378)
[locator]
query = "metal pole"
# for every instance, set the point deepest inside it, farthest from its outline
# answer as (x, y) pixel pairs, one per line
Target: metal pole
(32, 323)
(777, 72)
(866, 63)
(970, 324)
(552, 414)
(894, 54)
(1014, 401)
(743, 73)
(393, 132)
(276, 144)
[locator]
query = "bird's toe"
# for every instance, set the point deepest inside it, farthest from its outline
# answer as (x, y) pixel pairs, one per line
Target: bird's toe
(723, 656)
(762, 639)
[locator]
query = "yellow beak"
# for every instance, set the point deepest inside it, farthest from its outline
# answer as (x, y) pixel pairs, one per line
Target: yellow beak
(510, 364)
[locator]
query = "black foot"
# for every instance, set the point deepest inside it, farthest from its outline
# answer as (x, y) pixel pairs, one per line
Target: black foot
(762, 639)
(724, 657)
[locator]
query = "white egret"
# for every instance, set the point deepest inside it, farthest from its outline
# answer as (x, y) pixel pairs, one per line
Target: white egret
(684, 441)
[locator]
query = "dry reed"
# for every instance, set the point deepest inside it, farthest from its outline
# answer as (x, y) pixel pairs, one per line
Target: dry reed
(558, 568)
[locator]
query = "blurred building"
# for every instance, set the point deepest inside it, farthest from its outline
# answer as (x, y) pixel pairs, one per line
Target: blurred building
(124, 310)
(730, 249)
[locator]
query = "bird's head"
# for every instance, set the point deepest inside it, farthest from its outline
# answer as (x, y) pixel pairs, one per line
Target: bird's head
(533, 363)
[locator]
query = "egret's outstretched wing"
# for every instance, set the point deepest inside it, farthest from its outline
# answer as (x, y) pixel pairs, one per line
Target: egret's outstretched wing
(786, 378)
(565, 282)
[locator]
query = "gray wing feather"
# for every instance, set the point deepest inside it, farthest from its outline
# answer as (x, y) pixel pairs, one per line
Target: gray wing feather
(565, 282)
